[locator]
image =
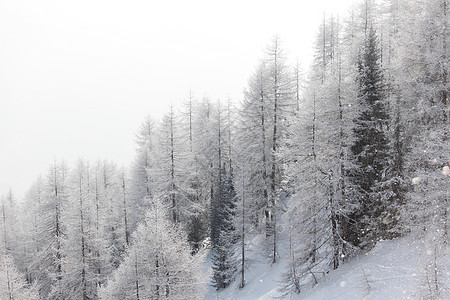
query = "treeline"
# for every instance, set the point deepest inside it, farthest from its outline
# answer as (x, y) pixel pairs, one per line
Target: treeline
(355, 153)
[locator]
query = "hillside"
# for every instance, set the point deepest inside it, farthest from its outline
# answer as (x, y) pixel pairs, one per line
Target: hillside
(395, 269)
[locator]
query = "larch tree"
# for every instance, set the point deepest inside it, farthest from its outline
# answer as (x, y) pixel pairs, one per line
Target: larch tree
(31, 220)
(315, 159)
(211, 150)
(269, 100)
(10, 225)
(280, 94)
(219, 162)
(159, 263)
(141, 185)
(427, 163)
(124, 188)
(100, 245)
(191, 121)
(49, 264)
(112, 198)
(13, 284)
(79, 281)
(169, 172)
(254, 143)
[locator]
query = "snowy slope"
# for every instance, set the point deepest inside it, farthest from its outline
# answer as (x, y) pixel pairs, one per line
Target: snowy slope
(261, 277)
(394, 269)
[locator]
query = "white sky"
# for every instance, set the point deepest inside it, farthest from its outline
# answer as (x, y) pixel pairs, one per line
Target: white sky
(78, 77)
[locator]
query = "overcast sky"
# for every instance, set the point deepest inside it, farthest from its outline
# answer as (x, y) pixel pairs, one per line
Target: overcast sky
(78, 77)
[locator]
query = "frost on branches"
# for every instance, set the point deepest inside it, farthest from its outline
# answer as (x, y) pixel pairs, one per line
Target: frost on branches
(158, 263)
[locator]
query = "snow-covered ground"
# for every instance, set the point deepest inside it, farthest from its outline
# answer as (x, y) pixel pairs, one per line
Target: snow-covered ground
(395, 269)
(261, 276)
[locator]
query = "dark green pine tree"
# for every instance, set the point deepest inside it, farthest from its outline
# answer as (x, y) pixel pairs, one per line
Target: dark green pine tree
(224, 262)
(369, 174)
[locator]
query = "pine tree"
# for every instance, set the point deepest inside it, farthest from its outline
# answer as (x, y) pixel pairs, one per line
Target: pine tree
(370, 149)
(224, 263)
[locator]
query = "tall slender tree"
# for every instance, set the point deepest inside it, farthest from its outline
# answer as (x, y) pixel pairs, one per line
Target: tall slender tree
(224, 262)
(141, 184)
(370, 149)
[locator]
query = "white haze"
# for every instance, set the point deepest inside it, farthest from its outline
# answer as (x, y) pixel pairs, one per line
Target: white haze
(77, 77)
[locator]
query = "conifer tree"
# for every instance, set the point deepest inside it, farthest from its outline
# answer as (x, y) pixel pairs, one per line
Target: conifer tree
(224, 263)
(254, 143)
(31, 220)
(49, 265)
(12, 283)
(141, 184)
(370, 149)
(158, 264)
(197, 223)
(426, 212)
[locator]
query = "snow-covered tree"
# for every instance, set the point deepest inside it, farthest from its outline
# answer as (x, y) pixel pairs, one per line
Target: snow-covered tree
(80, 281)
(49, 263)
(280, 93)
(10, 224)
(12, 283)
(426, 212)
(158, 264)
(268, 102)
(370, 150)
(196, 120)
(31, 220)
(224, 262)
(315, 156)
(141, 185)
(169, 172)
(254, 143)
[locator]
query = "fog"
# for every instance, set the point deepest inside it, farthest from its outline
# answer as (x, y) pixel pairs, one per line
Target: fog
(77, 77)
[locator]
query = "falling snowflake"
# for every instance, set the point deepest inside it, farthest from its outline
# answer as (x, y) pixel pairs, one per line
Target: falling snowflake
(446, 170)
(415, 180)
(343, 283)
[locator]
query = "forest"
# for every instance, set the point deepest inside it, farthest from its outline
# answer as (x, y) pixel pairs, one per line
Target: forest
(328, 161)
